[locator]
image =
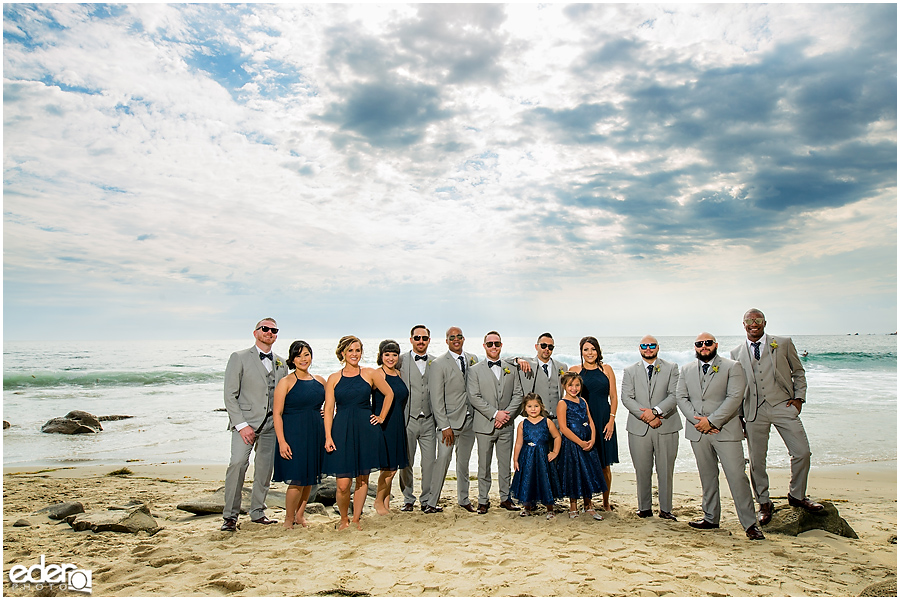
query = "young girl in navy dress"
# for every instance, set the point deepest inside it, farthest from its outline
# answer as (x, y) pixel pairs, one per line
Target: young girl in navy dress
(580, 473)
(535, 478)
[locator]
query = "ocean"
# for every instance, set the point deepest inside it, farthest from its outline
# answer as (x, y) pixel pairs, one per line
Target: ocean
(173, 388)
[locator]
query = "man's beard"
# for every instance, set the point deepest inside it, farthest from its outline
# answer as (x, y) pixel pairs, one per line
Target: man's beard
(712, 355)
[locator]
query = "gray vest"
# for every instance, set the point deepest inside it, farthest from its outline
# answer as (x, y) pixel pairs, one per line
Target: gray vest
(764, 378)
(270, 380)
(418, 393)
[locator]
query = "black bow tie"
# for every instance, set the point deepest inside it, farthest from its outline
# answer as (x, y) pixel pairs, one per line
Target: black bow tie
(493, 363)
(264, 356)
(421, 357)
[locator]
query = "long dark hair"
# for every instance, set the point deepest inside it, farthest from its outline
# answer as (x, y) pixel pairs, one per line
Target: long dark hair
(295, 351)
(589, 339)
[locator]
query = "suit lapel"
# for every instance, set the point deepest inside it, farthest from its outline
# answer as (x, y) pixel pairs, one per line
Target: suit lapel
(260, 368)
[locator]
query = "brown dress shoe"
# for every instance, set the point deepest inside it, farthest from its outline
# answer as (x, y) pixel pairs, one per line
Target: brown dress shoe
(805, 503)
(230, 524)
(667, 515)
(482, 508)
(508, 505)
(263, 520)
(644, 513)
(468, 507)
(703, 524)
(755, 533)
(407, 507)
(765, 513)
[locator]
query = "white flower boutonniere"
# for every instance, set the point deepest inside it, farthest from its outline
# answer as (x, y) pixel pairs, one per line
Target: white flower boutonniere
(715, 368)
(774, 344)
(505, 370)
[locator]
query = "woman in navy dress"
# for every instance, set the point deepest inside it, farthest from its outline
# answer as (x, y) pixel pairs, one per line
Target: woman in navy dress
(394, 426)
(600, 393)
(297, 416)
(354, 442)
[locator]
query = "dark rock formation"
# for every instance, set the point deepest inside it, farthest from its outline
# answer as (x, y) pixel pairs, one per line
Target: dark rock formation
(882, 589)
(115, 417)
(124, 521)
(64, 509)
(789, 520)
(77, 421)
(215, 502)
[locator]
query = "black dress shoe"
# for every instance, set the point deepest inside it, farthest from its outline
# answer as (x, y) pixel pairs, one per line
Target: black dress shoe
(765, 513)
(263, 520)
(482, 508)
(468, 507)
(805, 503)
(644, 513)
(430, 510)
(508, 505)
(755, 533)
(230, 524)
(703, 524)
(407, 507)
(667, 515)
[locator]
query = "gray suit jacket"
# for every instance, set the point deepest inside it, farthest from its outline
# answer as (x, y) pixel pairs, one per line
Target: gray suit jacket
(247, 387)
(487, 395)
(406, 363)
(718, 395)
(660, 391)
(447, 387)
(540, 384)
(790, 377)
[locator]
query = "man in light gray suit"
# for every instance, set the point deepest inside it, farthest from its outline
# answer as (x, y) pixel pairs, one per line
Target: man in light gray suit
(775, 393)
(710, 393)
(453, 417)
(649, 390)
(250, 379)
(496, 395)
(420, 427)
(541, 374)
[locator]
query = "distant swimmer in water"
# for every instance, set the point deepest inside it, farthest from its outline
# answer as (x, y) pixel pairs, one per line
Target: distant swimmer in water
(805, 353)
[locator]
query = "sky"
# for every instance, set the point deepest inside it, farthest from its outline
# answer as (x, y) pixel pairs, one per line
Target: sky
(181, 171)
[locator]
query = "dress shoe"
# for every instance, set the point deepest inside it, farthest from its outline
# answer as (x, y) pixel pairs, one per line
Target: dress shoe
(508, 505)
(430, 510)
(230, 524)
(644, 513)
(765, 513)
(667, 515)
(703, 524)
(468, 507)
(263, 520)
(805, 503)
(407, 507)
(755, 533)
(482, 508)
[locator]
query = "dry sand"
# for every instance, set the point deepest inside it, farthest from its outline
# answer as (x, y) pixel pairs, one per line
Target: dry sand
(454, 553)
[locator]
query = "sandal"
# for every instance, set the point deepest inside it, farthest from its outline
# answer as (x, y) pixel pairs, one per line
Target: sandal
(594, 514)
(550, 515)
(525, 513)
(573, 514)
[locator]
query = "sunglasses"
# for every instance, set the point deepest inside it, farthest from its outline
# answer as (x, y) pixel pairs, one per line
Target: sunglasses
(755, 321)
(493, 344)
(706, 343)
(267, 329)
(547, 346)
(421, 338)
(648, 346)
(453, 338)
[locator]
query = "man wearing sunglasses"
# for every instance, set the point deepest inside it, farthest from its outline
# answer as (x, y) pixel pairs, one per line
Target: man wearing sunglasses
(453, 417)
(710, 394)
(250, 379)
(542, 374)
(496, 395)
(776, 391)
(420, 427)
(649, 390)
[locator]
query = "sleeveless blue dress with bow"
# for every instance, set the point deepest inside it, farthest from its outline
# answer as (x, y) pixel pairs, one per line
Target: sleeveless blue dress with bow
(596, 393)
(393, 428)
(359, 445)
(580, 473)
(304, 432)
(536, 480)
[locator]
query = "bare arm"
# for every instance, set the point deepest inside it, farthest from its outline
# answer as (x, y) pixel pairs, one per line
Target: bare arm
(281, 391)
(610, 426)
(376, 379)
(329, 410)
(557, 440)
(518, 447)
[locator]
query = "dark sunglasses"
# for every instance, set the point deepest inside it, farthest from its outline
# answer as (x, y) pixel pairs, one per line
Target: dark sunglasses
(267, 329)
(546, 346)
(492, 344)
(421, 338)
(648, 346)
(706, 343)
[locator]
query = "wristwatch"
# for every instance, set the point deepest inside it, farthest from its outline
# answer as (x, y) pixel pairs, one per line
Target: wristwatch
(655, 412)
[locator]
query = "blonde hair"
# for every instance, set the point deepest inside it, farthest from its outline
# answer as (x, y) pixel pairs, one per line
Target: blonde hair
(344, 343)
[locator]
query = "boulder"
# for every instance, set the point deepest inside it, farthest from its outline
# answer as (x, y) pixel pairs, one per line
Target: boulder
(22, 523)
(325, 492)
(215, 502)
(789, 520)
(124, 521)
(882, 589)
(85, 418)
(115, 417)
(315, 508)
(6, 425)
(64, 509)
(77, 421)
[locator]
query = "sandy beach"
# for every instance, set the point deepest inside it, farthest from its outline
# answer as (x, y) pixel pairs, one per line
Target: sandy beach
(450, 554)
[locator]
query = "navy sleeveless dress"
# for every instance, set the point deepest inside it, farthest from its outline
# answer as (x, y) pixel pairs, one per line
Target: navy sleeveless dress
(304, 432)
(394, 428)
(580, 473)
(536, 480)
(596, 392)
(359, 445)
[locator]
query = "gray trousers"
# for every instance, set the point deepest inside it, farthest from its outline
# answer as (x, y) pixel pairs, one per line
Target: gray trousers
(787, 421)
(463, 441)
(263, 465)
(503, 439)
(709, 452)
(661, 448)
(419, 432)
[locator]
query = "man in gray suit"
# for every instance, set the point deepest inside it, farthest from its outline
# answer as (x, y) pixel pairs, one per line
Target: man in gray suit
(649, 390)
(250, 379)
(496, 395)
(420, 427)
(775, 393)
(542, 374)
(453, 416)
(710, 392)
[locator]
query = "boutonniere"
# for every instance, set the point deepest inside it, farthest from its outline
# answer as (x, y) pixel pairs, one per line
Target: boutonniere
(278, 363)
(656, 369)
(429, 362)
(715, 368)
(561, 372)
(505, 370)
(774, 344)
(472, 360)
